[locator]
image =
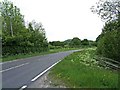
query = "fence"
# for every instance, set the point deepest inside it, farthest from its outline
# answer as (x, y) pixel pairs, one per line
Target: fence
(107, 62)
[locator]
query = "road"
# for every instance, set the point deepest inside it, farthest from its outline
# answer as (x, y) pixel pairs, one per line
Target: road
(21, 73)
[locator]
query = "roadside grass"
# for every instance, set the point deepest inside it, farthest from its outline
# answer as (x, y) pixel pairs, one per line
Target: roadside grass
(21, 56)
(80, 70)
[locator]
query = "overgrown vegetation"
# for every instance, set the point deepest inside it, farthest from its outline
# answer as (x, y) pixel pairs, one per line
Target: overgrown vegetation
(20, 40)
(109, 45)
(80, 70)
(109, 40)
(16, 37)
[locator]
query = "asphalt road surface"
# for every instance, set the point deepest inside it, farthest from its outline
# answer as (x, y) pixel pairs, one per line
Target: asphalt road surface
(20, 73)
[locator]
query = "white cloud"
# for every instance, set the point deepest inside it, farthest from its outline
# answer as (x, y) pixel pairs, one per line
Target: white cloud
(63, 19)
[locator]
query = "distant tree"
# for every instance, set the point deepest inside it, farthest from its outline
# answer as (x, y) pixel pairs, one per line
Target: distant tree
(57, 43)
(75, 42)
(67, 42)
(85, 42)
(92, 43)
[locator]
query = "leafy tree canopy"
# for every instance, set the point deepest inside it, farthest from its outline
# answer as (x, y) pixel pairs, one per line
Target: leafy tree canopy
(108, 10)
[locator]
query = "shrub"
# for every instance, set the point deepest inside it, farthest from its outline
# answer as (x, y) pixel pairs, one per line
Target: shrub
(109, 45)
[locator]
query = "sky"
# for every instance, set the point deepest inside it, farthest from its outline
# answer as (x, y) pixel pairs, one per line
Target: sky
(63, 19)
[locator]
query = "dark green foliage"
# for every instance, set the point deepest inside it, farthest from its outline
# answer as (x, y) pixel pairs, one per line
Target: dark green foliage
(92, 43)
(67, 42)
(85, 42)
(57, 43)
(16, 38)
(110, 26)
(109, 40)
(72, 43)
(100, 36)
(75, 42)
(109, 45)
(13, 20)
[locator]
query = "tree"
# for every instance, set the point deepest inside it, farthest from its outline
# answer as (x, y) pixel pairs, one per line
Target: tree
(13, 20)
(108, 10)
(30, 28)
(37, 34)
(109, 40)
(108, 27)
(109, 45)
(85, 42)
(75, 42)
(57, 43)
(16, 38)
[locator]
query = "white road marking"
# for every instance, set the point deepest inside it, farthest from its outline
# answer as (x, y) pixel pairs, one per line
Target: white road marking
(23, 87)
(17, 60)
(31, 57)
(14, 67)
(11, 61)
(35, 78)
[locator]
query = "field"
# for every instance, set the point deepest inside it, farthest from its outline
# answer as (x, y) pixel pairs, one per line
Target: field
(80, 70)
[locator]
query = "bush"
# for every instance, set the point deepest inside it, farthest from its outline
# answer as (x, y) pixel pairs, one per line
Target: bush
(109, 45)
(22, 45)
(54, 47)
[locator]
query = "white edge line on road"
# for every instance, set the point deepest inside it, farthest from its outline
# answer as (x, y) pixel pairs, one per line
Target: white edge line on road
(11, 61)
(14, 67)
(35, 78)
(23, 87)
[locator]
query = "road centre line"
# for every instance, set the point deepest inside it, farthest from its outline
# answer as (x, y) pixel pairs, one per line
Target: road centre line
(35, 78)
(14, 67)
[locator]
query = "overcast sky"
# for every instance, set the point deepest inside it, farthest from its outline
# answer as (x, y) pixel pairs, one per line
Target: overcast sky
(63, 19)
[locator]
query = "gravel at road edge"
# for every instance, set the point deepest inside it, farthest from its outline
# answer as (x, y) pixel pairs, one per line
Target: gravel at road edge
(45, 82)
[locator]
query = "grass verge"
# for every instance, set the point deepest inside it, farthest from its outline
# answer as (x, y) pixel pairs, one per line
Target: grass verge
(19, 56)
(80, 70)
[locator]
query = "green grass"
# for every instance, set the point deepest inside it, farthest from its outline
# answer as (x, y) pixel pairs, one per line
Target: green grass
(21, 56)
(81, 70)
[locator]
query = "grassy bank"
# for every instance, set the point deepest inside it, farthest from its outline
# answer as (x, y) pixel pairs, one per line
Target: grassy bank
(20, 56)
(81, 70)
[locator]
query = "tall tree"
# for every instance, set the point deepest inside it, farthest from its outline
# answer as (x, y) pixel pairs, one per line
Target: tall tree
(85, 42)
(16, 38)
(75, 42)
(13, 20)
(109, 40)
(108, 9)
